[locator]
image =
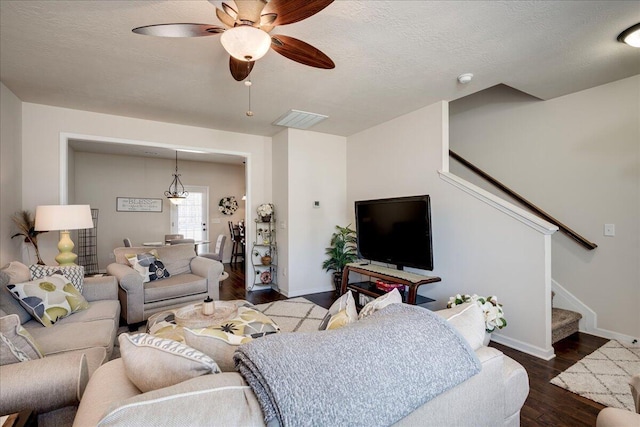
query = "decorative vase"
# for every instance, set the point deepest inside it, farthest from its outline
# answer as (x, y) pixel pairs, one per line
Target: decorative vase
(487, 338)
(266, 260)
(266, 218)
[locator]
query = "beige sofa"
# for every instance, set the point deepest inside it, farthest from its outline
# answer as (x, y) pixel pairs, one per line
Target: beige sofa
(192, 279)
(73, 348)
(493, 397)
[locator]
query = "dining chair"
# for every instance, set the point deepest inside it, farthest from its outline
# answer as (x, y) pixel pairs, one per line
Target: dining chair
(181, 241)
(168, 237)
(127, 243)
(219, 250)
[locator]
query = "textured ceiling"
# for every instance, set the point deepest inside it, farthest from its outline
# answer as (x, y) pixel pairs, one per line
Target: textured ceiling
(391, 57)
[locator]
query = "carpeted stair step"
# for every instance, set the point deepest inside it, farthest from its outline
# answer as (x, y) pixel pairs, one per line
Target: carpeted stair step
(563, 323)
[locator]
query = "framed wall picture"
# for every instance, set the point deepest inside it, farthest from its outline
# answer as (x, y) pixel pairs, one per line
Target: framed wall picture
(138, 204)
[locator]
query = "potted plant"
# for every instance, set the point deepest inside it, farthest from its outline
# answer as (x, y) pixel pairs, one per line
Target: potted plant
(341, 252)
(26, 225)
(492, 310)
(264, 212)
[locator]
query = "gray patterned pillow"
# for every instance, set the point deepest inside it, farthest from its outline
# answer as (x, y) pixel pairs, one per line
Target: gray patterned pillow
(152, 362)
(75, 273)
(16, 344)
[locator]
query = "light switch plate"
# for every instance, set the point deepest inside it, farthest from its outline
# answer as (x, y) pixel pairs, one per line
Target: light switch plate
(610, 230)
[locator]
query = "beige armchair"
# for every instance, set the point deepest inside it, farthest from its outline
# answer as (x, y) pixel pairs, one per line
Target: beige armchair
(614, 417)
(192, 279)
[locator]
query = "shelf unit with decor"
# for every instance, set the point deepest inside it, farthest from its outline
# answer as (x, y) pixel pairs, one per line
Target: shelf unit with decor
(264, 254)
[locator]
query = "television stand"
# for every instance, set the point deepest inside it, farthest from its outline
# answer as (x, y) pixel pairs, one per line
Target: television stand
(412, 280)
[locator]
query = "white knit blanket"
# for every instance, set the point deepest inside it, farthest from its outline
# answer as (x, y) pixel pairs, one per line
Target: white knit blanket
(370, 373)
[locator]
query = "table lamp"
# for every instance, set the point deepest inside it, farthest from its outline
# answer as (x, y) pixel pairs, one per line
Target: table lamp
(64, 218)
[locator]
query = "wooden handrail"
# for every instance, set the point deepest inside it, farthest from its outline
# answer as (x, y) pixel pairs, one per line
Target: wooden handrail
(569, 232)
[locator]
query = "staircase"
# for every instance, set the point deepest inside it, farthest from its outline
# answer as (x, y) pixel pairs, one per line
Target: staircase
(563, 322)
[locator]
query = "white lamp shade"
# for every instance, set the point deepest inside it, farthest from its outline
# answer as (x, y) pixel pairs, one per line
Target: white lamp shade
(63, 217)
(245, 42)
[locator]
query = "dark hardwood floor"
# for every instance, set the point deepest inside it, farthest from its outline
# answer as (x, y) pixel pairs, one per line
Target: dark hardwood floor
(546, 405)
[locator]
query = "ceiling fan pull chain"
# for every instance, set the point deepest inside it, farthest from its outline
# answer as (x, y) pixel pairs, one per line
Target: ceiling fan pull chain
(248, 83)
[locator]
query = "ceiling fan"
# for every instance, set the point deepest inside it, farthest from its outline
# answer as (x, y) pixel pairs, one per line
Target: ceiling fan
(245, 32)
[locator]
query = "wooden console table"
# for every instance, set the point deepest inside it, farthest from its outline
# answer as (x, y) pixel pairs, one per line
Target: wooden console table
(412, 280)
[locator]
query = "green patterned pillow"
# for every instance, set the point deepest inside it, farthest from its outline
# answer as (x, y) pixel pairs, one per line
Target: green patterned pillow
(16, 344)
(220, 341)
(342, 312)
(49, 299)
(73, 273)
(152, 362)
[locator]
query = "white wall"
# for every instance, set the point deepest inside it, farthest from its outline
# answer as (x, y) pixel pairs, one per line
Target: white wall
(10, 173)
(578, 158)
(315, 167)
(477, 249)
(44, 127)
(100, 178)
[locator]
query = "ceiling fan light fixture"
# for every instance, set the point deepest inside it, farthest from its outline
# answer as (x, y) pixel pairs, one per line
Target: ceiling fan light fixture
(631, 36)
(246, 43)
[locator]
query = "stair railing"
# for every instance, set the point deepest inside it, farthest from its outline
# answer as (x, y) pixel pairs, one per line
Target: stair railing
(568, 231)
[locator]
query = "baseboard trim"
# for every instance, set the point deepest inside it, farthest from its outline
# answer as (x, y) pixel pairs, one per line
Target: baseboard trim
(524, 347)
(308, 291)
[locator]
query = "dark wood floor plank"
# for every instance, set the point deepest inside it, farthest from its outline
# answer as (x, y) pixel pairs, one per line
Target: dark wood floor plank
(546, 405)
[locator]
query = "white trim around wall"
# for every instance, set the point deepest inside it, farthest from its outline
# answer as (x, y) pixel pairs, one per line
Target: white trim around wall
(65, 137)
(589, 322)
(510, 209)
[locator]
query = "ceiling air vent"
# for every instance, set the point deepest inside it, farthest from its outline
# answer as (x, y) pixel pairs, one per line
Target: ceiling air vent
(299, 119)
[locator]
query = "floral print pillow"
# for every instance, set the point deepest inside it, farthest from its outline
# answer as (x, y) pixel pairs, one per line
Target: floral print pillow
(49, 299)
(148, 265)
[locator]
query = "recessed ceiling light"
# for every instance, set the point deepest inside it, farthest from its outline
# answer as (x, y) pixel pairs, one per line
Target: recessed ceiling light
(631, 36)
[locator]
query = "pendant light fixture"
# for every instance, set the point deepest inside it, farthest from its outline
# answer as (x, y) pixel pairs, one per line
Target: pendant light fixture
(176, 193)
(631, 36)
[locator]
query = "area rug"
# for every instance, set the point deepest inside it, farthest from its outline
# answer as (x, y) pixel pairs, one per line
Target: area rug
(295, 314)
(603, 376)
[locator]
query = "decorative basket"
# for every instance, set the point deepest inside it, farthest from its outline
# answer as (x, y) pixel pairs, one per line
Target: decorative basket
(266, 260)
(191, 316)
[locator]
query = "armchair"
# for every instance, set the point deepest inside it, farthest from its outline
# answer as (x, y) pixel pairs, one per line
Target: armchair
(614, 417)
(192, 278)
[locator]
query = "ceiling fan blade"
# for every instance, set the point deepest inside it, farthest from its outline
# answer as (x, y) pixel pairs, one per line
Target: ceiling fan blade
(250, 10)
(290, 11)
(225, 18)
(179, 30)
(301, 52)
(230, 11)
(267, 19)
(240, 70)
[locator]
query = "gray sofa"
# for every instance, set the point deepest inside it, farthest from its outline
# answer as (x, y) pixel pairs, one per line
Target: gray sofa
(73, 348)
(192, 279)
(493, 397)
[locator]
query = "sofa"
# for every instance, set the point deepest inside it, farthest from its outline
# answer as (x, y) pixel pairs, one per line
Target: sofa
(191, 278)
(491, 397)
(72, 348)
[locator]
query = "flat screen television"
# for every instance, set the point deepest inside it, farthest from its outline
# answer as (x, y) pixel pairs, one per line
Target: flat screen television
(395, 231)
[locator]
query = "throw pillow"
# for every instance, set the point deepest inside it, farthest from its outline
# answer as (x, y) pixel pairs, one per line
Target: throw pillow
(152, 363)
(221, 341)
(17, 272)
(148, 266)
(16, 344)
(468, 320)
(381, 302)
(49, 299)
(75, 273)
(342, 312)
